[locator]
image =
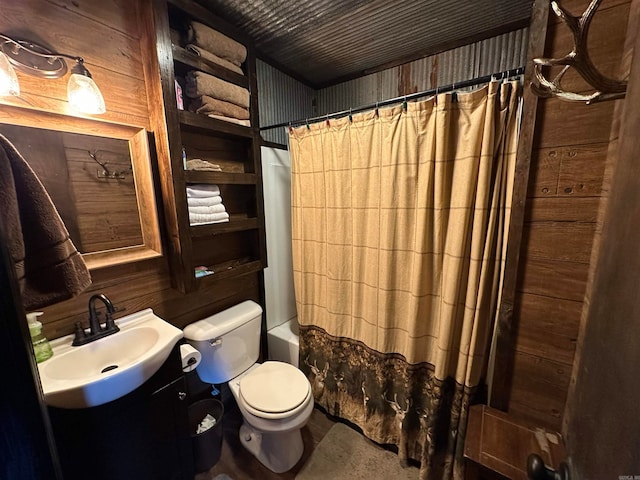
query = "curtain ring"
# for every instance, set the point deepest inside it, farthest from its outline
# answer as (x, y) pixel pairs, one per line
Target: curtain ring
(350, 115)
(327, 120)
(376, 110)
(307, 122)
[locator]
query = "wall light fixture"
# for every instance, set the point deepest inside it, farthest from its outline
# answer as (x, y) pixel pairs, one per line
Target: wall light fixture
(33, 59)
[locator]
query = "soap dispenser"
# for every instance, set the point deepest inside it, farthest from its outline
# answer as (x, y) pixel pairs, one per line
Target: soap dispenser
(41, 346)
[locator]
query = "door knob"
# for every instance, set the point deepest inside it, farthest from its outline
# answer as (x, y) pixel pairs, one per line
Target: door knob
(537, 470)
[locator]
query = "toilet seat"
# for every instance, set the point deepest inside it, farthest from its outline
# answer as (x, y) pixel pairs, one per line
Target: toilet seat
(274, 390)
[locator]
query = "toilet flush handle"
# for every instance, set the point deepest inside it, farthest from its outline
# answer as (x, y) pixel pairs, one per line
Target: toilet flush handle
(215, 342)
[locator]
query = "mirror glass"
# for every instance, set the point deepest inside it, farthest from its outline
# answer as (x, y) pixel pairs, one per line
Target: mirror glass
(90, 180)
(100, 178)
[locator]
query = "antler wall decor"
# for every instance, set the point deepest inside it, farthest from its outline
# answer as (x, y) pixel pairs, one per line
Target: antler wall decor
(605, 88)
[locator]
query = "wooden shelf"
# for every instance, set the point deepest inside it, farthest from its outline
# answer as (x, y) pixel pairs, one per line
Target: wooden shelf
(189, 59)
(239, 243)
(223, 178)
(231, 269)
(235, 224)
(204, 122)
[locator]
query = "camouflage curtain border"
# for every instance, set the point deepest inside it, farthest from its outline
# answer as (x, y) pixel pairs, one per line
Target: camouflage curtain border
(392, 401)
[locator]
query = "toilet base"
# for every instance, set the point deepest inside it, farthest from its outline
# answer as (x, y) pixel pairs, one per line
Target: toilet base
(279, 452)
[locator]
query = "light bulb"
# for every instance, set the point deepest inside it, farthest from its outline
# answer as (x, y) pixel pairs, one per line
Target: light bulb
(83, 93)
(8, 79)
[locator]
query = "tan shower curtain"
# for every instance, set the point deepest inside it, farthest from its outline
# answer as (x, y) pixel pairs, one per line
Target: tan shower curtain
(399, 234)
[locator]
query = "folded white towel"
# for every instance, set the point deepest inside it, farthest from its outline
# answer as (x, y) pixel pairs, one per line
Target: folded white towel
(204, 201)
(207, 208)
(204, 218)
(199, 190)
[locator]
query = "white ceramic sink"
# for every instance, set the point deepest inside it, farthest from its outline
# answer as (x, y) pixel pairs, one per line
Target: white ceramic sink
(108, 368)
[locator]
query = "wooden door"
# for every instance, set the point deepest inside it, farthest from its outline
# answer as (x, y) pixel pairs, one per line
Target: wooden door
(603, 425)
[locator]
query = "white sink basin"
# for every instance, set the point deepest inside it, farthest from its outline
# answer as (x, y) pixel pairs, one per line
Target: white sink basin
(108, 368)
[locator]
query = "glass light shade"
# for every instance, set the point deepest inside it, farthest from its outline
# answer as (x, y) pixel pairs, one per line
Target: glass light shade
(84, 95)
(8, 79)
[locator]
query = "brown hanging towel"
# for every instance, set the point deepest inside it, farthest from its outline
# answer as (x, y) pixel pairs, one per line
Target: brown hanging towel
(48, 266)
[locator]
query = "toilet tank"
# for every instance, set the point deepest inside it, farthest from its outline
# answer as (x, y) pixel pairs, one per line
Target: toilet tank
(229, 341)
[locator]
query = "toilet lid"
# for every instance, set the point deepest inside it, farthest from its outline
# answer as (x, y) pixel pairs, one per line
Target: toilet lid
(274, 387)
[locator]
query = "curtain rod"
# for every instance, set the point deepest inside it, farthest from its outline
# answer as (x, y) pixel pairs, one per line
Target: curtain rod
(446, 88)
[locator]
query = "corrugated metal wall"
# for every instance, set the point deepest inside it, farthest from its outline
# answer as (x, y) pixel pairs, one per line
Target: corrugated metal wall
(496, 54)
(281, 99)
(284, 99)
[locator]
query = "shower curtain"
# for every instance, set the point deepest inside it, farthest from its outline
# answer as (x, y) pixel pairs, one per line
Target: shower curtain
(399, 229)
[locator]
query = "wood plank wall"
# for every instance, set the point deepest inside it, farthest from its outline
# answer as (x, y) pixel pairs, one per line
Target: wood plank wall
(108, 215)
(111, 37)
(565, 190)
(106, 34)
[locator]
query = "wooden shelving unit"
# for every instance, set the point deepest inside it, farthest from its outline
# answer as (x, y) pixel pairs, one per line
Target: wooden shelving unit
(231, 248)
(230, 269)
(221, 177)
(206, 124)
(233, 225)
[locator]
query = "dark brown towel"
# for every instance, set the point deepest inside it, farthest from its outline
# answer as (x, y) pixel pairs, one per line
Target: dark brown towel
(216, 43)
(199, 83)
(48, 266)
(213, 58)
(206, 105)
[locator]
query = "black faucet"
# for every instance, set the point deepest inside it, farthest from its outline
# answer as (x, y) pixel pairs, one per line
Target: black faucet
(96, 331)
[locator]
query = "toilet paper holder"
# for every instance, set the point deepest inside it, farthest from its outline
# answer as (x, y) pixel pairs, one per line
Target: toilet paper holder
(190, 357)
(191, 361)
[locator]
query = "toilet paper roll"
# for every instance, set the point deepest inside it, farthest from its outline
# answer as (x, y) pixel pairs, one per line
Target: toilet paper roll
(190, 357)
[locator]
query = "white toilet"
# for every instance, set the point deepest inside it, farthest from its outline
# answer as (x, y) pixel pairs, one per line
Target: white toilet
(274, 397)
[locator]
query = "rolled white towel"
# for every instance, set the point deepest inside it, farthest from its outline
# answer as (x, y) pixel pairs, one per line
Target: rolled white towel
(204, 201)
(207, 208)
(199, 190)
(202, 165)
(204, 218)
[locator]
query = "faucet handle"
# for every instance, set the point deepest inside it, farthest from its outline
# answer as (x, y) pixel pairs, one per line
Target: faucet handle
(110, 324)
(80, 334)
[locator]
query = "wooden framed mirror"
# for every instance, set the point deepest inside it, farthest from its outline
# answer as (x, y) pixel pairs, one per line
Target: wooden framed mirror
(99, 176)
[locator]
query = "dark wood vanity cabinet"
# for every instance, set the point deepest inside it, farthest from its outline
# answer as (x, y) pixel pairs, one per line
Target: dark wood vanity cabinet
(171, 456)
(141, 436)
(236, 247)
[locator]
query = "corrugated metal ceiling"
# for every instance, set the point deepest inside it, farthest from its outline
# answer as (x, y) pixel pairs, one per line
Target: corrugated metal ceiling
(323, 42)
